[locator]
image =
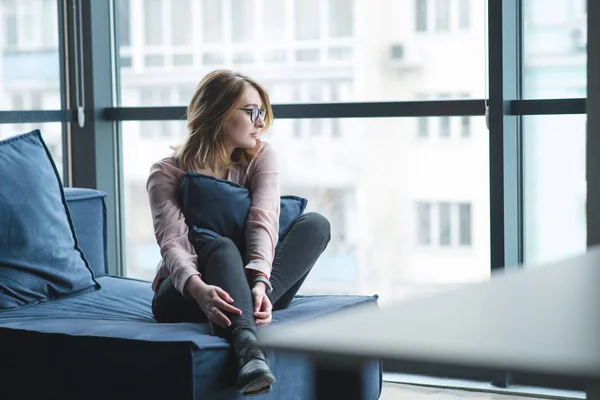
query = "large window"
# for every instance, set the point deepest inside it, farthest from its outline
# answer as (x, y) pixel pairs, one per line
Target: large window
(554, 187)
(555, 43)
(29, 67)
(283, 43)
(29, 75)
(368, 174)
(366, 180)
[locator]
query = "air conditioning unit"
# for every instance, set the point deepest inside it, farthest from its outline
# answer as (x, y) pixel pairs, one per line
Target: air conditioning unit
(578, 35)
(404, 56)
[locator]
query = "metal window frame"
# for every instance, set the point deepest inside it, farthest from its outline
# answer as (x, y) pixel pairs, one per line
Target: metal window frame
(94, 148)
(593, 125)
(388, 109)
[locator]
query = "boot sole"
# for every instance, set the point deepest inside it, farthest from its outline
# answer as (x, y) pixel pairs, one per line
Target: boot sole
(255, 382)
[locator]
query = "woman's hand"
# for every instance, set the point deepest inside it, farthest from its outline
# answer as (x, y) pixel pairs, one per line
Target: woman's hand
(213, 301)
(262, 305)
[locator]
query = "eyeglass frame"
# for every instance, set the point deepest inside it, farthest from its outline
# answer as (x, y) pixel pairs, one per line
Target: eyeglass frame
(254, 115)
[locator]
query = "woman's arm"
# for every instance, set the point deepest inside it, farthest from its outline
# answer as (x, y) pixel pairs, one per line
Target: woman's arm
(262, 225)
(170, 229)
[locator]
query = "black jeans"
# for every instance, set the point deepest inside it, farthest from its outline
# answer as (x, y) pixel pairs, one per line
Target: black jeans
(221, 264)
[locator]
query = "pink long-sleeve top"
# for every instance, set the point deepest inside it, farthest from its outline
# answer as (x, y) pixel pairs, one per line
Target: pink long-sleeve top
(260, 177)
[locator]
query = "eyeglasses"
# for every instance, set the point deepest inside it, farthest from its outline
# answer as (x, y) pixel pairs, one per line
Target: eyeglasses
(254, 112)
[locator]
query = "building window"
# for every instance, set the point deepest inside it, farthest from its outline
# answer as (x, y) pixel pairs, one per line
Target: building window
(17, 102)
(49, 24)
(212, 18)
(444, 228)
(465, 126)
(123, 12)
(274, 20)
(153, 22)
(464, 14)
(421, 15)
(464, 216)
(181, 23)
(29, 25)
(423, 127)
(336, 130)
(442, 15)
(424, 223)
(443, 224)
(242, 18)
(10, 23)
(307, 18)
(444, 127)
(340, 18)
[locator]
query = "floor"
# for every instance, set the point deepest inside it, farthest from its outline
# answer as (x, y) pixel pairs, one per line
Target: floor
(395, 391)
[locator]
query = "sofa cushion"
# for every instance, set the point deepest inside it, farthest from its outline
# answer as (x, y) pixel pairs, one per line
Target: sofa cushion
(77, 340)
(220, 206)
(40, 258)
(88, 211)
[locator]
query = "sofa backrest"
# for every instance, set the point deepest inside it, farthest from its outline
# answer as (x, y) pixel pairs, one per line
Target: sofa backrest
(88, 212)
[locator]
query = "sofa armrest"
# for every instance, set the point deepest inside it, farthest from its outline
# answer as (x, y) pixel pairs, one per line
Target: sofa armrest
(88, 212)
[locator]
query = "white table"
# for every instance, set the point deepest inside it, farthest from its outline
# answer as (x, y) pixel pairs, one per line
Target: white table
(543, 320)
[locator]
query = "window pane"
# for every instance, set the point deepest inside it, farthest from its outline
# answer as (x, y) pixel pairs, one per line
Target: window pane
(51, 133)
(181, 22)
(423, 127)
(444, 223)
(465, 123)
(442, 15)
(307, 18)
(279, 40)
(554, 187)
(421, 15)
(144, 142)
(340, 18)
(554, 47)
(424, 223)
(124, 23)
(384, 208)
(444, 126)
(274, 25)
(29, 71)
(153, 22)
(464, 14)
(242, 20)
(464, 215)
(212, 21)
(9, 11)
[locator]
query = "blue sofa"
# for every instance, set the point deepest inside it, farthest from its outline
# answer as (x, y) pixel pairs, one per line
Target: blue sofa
(105, 344)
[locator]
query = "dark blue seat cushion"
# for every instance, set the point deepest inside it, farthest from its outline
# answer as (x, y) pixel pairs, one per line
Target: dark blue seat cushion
(71, 344)
(40, 259)
(212, 205)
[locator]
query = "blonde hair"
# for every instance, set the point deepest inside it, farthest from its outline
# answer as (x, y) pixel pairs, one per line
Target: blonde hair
(216, 97)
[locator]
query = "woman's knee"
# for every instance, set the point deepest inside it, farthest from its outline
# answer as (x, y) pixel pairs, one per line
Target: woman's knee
(221, 247)
(318, 225)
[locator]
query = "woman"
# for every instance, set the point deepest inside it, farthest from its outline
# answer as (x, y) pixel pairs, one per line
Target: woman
(226, 117)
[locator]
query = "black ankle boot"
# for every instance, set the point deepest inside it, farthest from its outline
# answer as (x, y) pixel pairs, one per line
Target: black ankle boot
(255, 376)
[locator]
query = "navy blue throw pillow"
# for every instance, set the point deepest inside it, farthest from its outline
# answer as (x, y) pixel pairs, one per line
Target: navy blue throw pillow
(214, 207)
(40, 259)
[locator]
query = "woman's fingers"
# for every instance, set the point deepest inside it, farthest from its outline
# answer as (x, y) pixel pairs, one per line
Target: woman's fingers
(263, 321)
(227, 307)
(262, 314)
(220, 319)
(223, 294)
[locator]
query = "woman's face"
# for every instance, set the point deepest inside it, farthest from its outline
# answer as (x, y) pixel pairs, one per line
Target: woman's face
(238, 129)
